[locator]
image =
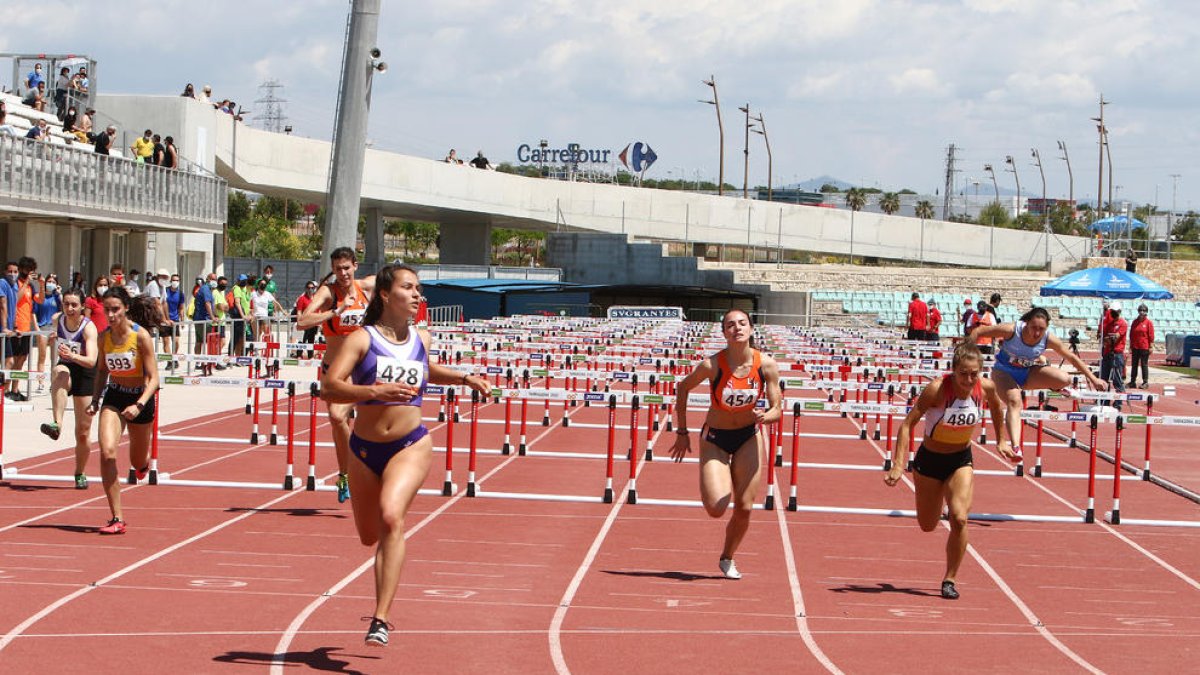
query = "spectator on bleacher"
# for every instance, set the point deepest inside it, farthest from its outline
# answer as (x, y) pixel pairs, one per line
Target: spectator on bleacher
(451, 157)
(1141, 341)
(932, 332)
(918, 318)
(160, 150)
(170, 155)
(205, 95)
(39, 131)
(103, 141)
(34, 78)
(77, 282)
(189, 91)
(80, 82)
(6, 129)
(143, 147)
(155, 285)
(83, 127)
(93, 306)
(993, 303)
(70, 121)
(1112, 347)
(36, 98)
(61, 84)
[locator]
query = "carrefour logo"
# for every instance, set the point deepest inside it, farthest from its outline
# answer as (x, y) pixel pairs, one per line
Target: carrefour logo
(638, 156)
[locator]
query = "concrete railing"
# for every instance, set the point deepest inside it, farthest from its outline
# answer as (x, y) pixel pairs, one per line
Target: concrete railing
(56, 181)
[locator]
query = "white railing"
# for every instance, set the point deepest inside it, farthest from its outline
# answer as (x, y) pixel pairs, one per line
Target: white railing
(446, 314)
(63, 180)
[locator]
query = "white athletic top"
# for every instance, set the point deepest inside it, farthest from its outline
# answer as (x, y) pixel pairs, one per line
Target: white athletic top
(955, 420)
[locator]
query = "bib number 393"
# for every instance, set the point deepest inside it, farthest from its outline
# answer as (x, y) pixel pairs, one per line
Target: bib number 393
(399, 371)
(119, 362)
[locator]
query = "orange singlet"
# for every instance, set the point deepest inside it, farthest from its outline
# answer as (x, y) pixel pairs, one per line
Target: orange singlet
(736, 394)
(350, 319)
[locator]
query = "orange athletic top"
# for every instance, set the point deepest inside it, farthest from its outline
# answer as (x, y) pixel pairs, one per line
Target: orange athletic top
(350, 319)
(736, 394)
(24, 314)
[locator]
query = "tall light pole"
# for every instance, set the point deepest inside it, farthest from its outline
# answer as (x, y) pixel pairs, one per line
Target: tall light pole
(360, 62)
(1174, 191)
(716, 103)
(762, 131)
(1009, 161)
(995, 186)
(1037, 160)
(1100, 171)
(746, 153)
(1070, 178)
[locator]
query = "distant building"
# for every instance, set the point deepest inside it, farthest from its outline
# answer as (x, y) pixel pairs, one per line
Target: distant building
(793, 196)
(1038, 206)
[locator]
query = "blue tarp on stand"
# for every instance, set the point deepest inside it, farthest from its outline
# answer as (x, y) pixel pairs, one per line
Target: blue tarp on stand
(1107, 282)
(1118, 224)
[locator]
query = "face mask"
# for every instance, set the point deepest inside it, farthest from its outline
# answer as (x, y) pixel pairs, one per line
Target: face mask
(242, 284)
(212, 284)
(12, 277)
(174, 284)
(101, 290)
(50, 288)
(119, 279)
(267, 276)
(220, 287)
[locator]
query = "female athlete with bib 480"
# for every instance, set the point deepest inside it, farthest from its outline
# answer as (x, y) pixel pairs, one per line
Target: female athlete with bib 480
(383, 370)
(943, 467)
(338, 307)
(731, 446)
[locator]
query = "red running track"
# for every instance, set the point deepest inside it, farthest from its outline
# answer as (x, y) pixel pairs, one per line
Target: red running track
(218, 579)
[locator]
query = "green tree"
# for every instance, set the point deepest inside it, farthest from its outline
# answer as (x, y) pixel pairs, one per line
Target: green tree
(239, 209)
(829, 188)
(265, 237)
(889, 203)
(856, 199)
(418, 237)
(925, 209)
(994, 214)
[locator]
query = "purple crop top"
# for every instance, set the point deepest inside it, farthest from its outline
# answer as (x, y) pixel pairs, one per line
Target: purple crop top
(386, 361)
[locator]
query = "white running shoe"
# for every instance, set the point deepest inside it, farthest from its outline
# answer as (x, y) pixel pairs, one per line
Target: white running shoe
(729, 569)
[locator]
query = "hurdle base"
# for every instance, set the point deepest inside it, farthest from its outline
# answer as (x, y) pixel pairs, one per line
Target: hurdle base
(1089, 516)
(441, 416)
(448, 489)
(1037, 471)
(862, 433)
(289, 482)
(132, 478)
(769, 503)
(311, 484)
(505, 449)
(792, 505)
(1020, 470)
(1114, 516)
(471, 489)
(521, 449)
(887, 464)
(1146, 474)
(153, 477)
(247, 408)
(254, 438)
(875, 436)
(274, 439)
(631, 496)
(608, 495)
(566, 421)
(779, 460)
(546, 421)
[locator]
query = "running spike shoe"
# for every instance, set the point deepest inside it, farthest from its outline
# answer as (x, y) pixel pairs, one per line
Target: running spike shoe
(343, 488)
(114, 526)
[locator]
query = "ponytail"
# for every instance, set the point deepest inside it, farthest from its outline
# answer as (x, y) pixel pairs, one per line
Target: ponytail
(384, 279)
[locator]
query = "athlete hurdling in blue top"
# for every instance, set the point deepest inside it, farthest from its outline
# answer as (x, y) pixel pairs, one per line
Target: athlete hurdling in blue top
(1021, 364)
(383, 370)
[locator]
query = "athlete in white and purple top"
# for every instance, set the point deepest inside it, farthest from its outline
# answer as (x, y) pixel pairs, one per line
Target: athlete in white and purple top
(383, 370)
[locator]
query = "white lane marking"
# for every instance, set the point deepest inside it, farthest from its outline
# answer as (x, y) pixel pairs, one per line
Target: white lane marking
(253, 565)
(273, 555)
(205, 575)
(1004, 587)
(498, 543)
(468, 574)
(39, 555)
(473, 563)
(798, 596)
(47, 610)
(89, 547)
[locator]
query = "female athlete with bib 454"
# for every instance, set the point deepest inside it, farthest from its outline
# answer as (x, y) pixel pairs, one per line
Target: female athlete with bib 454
(338, 307)
(731, 446)
(383, 370)
(943, 467)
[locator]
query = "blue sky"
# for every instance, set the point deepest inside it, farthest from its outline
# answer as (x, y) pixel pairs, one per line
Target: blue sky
(869, 91)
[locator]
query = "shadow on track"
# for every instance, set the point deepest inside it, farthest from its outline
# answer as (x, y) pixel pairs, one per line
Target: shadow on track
(676, 576)
(318, 659)
(307, 512)
(22, 487)
(885, 588)
(78, 529)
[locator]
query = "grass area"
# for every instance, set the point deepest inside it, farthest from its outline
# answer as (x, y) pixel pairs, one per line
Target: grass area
(1180, 370)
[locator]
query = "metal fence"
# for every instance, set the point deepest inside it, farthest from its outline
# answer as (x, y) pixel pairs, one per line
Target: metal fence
(63, 179)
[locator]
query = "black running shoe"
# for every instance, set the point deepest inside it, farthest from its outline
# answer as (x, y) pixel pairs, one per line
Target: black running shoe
(377, 633)
(948, 590)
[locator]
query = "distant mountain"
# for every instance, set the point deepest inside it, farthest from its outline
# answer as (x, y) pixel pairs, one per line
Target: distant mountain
(814, 184)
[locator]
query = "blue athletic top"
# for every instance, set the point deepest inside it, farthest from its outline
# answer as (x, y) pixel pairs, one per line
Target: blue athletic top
(386, 361)
(1014, 353)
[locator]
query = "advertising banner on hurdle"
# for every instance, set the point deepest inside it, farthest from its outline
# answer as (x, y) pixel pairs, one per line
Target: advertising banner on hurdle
(629, 312)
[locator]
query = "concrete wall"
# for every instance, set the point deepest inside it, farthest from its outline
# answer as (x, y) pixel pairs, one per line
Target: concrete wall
(426, 189)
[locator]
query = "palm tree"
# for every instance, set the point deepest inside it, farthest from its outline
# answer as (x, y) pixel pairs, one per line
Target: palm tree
(856, 199)
(925, 209)
(889, 203)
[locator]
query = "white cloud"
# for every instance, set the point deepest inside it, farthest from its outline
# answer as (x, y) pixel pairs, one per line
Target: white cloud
(915, 80)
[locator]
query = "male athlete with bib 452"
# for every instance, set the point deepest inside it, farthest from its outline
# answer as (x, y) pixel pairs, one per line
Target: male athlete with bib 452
(338, 307)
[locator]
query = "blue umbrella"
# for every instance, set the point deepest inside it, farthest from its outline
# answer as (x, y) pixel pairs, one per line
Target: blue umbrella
(1107, 282)
(1117, 224)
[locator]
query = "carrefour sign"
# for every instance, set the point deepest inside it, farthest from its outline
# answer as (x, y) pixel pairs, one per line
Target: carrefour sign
(574, 153)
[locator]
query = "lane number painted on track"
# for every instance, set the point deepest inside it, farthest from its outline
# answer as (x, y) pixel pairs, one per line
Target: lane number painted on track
(217, 583)
(451, 593)
(915, 613)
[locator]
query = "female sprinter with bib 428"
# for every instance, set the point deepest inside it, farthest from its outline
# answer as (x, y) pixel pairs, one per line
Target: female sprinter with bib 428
(943, 467)
(126, 379)
(731, 446)
(382, 370)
